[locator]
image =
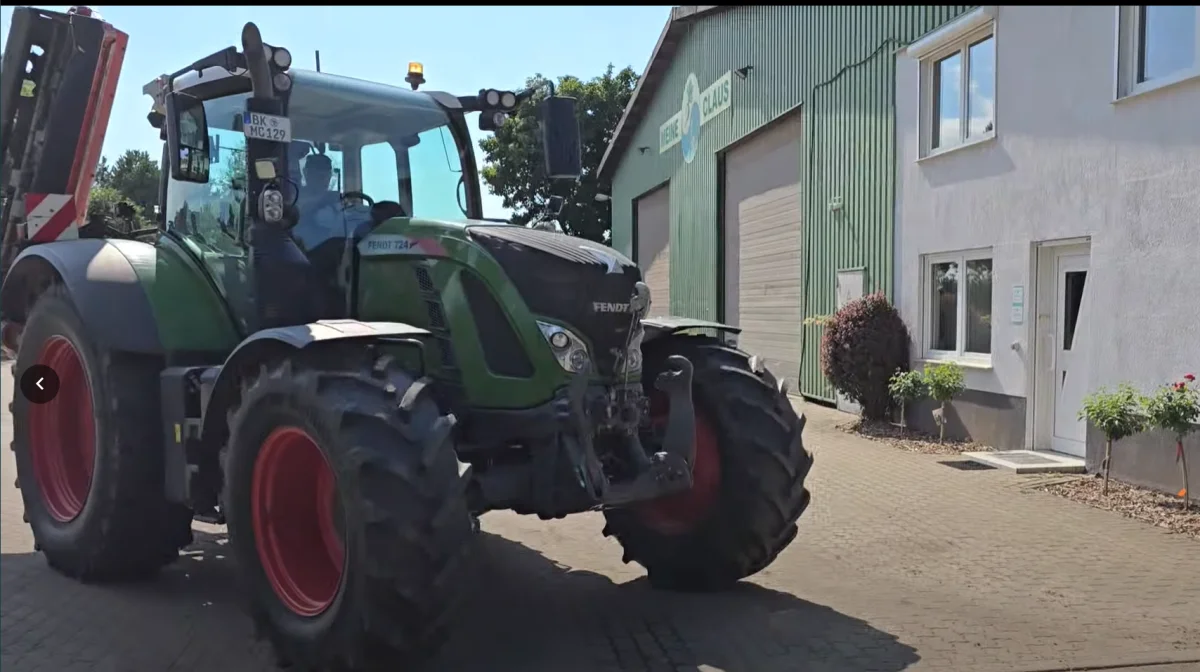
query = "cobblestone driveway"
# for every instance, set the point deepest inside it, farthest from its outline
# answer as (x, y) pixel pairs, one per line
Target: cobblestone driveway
(901, 564)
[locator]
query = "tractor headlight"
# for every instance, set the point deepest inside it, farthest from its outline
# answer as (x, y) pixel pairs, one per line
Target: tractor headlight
(568, 349)
(270, 205)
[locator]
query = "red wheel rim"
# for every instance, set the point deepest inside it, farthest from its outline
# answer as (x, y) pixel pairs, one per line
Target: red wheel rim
(293, 498)
(680, 513)
(62, 434)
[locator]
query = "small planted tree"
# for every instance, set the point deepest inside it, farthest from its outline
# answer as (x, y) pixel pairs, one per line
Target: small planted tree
(864, 343)
(1176, 408)
(905, 387)
(1118, 414)
(945, 382)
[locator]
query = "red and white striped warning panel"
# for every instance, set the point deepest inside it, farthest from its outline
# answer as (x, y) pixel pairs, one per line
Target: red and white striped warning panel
(50, 217)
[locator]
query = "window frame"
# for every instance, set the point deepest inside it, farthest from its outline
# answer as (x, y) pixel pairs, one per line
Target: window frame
(960, 354)
(1128, 56)
(956, 37)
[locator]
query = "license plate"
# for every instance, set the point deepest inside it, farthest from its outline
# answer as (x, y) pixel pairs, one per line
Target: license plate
(259, 126)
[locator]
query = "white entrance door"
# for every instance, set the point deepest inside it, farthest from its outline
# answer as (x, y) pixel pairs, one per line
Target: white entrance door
(1071, 335)
(849, 288)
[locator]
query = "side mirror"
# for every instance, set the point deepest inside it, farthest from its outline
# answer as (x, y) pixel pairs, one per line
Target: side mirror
(560, 138)
(187, 138)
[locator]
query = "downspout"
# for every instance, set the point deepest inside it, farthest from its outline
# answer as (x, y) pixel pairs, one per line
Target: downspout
(812, 96)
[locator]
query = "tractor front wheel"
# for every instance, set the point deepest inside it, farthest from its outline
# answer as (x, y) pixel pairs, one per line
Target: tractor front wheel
(747, 480)
(347, 516)
(90, 460)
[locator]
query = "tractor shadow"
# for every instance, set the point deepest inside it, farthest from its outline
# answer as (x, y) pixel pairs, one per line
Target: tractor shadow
(527, 613)
(531, 613)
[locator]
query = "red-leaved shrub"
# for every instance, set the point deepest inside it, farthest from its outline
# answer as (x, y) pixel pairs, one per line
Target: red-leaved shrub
(865, 343)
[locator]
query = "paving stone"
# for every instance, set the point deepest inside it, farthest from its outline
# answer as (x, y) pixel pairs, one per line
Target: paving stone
(900, 564)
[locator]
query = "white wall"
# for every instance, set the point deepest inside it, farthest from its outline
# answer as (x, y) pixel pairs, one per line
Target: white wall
(1066, 162)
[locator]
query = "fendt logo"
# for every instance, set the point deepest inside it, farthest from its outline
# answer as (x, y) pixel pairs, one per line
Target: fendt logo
(605, 307)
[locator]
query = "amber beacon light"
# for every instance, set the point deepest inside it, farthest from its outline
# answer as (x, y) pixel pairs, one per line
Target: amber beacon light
(416, 75)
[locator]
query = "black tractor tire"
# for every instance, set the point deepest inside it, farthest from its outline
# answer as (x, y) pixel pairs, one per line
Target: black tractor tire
(123, 527)
(760, 493)
(398, 491)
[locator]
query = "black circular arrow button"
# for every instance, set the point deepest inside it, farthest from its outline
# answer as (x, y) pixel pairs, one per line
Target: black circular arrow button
(39, 384)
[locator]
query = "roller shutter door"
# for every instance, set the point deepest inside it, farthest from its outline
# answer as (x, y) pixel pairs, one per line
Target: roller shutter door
(654, 247)
(764, 272)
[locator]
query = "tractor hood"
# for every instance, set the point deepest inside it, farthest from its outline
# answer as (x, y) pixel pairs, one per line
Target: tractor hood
(586, 286)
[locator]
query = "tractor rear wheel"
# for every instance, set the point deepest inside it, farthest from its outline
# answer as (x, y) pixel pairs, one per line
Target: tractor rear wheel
(347, 515)
(748, 476)
(89, 461)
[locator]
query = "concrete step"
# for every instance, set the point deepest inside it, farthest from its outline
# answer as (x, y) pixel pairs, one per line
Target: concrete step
(1029, 461)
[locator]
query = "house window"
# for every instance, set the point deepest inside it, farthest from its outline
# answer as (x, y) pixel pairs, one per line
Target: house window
(958, 88)
(958, 297)
(1157, 45)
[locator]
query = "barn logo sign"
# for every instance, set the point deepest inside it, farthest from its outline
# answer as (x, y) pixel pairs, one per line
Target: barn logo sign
(698, 108)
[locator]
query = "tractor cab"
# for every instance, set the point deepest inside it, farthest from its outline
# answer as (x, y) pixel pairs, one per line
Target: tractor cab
(275, 174)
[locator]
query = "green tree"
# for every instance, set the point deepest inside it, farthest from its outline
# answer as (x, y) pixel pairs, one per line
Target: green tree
(103, 172)
(135, 175)
(906, 387)
(944, 382)
(513, 164)
(1117, 414)
(1176, 409)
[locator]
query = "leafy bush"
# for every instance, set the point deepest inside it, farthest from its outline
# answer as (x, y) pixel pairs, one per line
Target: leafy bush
(864, 344)
(1117, 414)
(1176, 408)
(906, 386)
(944, 381)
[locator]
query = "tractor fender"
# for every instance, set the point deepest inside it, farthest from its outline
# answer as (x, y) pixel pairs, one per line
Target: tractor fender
(658, 327)
(271, 344)
(100, 277)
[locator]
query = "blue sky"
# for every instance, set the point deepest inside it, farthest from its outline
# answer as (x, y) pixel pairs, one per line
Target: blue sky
(464, 49)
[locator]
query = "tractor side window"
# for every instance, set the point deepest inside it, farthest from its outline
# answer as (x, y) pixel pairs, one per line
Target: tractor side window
(381, 176)
(422, 178)
(434, 172)
(210, 215)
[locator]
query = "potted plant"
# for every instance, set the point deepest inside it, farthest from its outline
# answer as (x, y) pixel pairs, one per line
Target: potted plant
(1176, 408)
(944, 382)
(906, 386)
(1117, 414)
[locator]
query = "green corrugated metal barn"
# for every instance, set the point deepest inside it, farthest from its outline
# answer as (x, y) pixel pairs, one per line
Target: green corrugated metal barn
(752, 172)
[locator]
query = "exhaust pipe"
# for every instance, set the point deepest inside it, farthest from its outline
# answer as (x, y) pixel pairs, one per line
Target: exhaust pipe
(257, 63)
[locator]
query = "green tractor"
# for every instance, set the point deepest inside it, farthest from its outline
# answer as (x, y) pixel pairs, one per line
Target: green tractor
(326, 348)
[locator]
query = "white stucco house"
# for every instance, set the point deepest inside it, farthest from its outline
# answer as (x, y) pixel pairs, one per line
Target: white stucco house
(1048, 217)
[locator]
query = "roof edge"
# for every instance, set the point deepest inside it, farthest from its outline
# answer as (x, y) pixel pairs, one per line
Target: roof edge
(647, 85)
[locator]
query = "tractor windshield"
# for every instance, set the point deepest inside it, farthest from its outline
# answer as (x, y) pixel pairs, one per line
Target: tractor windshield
(355, 143)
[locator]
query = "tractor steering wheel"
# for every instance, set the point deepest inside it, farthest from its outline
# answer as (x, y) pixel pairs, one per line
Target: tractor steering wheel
(351, 195)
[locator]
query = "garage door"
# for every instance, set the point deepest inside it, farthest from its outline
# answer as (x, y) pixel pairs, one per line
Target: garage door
(654, 247)
(764, 275)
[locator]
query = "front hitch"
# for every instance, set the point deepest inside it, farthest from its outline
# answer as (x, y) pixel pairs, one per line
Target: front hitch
(669, 470)
(680, 435)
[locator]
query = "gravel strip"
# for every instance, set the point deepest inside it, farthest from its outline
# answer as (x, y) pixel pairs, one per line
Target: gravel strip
(909, 440)
(1158, 509)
